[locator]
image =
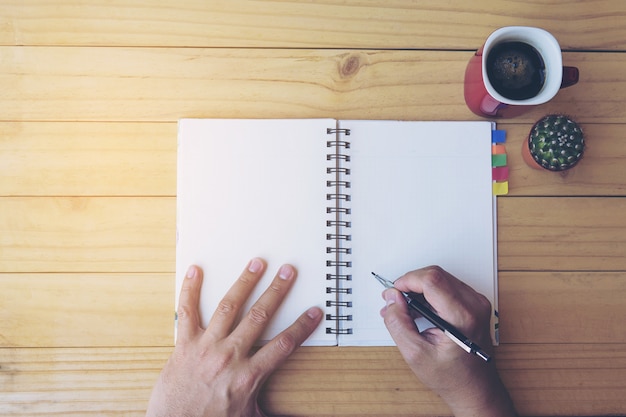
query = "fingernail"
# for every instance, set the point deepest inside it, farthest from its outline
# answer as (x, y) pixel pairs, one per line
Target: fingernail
(389, 297)
(286, 272)
(191, 272)
(314, 313)
(255, 265)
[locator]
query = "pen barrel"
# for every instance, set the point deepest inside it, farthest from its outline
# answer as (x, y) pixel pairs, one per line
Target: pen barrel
(441, 324)
(413, 300)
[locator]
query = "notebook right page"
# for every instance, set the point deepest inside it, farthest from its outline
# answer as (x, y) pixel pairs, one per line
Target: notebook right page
(421, 194)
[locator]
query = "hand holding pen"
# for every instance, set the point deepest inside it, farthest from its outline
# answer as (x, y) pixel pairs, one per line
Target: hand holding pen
(418, 303)
(469, 386)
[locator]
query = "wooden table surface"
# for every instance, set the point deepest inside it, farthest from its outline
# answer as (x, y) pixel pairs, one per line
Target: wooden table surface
(90, 93)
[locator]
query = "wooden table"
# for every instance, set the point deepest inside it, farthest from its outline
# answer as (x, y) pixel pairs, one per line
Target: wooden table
(90, 96)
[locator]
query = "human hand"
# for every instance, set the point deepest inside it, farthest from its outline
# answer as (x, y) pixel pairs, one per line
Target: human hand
(467, 384)
(212, 372)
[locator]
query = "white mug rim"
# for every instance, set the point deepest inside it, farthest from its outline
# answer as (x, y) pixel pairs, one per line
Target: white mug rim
(545, 43)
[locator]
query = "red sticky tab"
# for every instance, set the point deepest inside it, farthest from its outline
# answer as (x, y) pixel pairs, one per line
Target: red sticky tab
(500, 173)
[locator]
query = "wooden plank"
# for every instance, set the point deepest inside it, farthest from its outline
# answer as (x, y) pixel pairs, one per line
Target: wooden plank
(165, 84)
(73, 310)
(322, 24)
(78, 382)
(86, 310)
(600, 173)
(562, 234)
(82, 159)
(565, 379)
(558, 379)
(76, 234)
(542, 379)
(562, 307)
(87, 234)
(139, 159)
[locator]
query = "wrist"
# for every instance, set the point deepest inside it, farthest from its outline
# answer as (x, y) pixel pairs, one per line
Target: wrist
(486, 397)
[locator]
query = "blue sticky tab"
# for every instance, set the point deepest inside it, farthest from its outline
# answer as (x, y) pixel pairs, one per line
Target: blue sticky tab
(498, 136)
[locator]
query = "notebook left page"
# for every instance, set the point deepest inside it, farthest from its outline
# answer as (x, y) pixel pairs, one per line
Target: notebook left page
(254, 188)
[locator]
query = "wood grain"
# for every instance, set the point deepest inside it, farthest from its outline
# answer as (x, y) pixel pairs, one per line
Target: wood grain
(87, 234)
(565, 379)
(117, 381)
(88, 159)
(395, 24)
(78, 382)
(139, 159)
(93, 310)
(562, 234)
(166, 84)
(562, 307)
(86, 310)
(74, 234)
(90, 94)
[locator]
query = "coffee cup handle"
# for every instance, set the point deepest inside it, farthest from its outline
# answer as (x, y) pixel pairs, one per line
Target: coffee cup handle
(570, 76)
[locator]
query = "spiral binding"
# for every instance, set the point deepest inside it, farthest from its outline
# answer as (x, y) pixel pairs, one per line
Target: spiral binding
(338, 235)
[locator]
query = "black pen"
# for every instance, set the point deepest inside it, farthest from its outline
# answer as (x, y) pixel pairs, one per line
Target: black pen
(449, 330)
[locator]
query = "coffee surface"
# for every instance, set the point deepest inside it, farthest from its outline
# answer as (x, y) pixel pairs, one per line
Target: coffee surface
(515, 70)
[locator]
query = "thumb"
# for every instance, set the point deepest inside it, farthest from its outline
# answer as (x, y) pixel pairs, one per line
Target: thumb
(399, 322)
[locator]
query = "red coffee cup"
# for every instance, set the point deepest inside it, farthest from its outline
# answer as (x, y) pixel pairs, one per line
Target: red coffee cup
(517, 67)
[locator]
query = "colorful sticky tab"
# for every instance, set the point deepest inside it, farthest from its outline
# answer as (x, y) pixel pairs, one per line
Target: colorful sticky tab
(500, 188)
(498, 136)
(498, 160)
(500, 173)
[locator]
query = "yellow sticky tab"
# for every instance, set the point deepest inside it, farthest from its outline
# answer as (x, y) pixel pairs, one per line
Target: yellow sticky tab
(501, 188)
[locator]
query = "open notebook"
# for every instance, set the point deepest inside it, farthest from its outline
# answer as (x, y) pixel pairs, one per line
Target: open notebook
(337, 199)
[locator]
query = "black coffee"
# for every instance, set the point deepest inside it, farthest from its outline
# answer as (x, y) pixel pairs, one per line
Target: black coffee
(516, 70)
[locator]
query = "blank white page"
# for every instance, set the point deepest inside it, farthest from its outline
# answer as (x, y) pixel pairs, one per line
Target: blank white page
(250, 188)
(421, 195)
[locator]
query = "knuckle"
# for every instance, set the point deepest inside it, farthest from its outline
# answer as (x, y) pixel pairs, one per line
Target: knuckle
(226, 307)
(258, 316)
(275, 288)
(435, 276)
(245, 382)
(484, 304)
(248, 279)
(483, 309)
(184, 312)
(286, 343)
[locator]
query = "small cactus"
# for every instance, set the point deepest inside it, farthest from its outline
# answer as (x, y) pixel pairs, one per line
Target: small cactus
(556, 142)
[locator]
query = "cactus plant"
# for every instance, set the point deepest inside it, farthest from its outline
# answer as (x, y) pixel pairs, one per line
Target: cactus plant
(556, 142)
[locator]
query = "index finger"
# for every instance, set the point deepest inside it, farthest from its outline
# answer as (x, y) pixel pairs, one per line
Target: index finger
(453, 299)
(273, 354)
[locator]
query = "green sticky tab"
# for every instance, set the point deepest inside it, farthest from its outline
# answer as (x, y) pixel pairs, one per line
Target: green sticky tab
(498, 160)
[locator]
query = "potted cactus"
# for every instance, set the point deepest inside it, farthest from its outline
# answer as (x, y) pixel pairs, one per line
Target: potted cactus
(555, 143)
